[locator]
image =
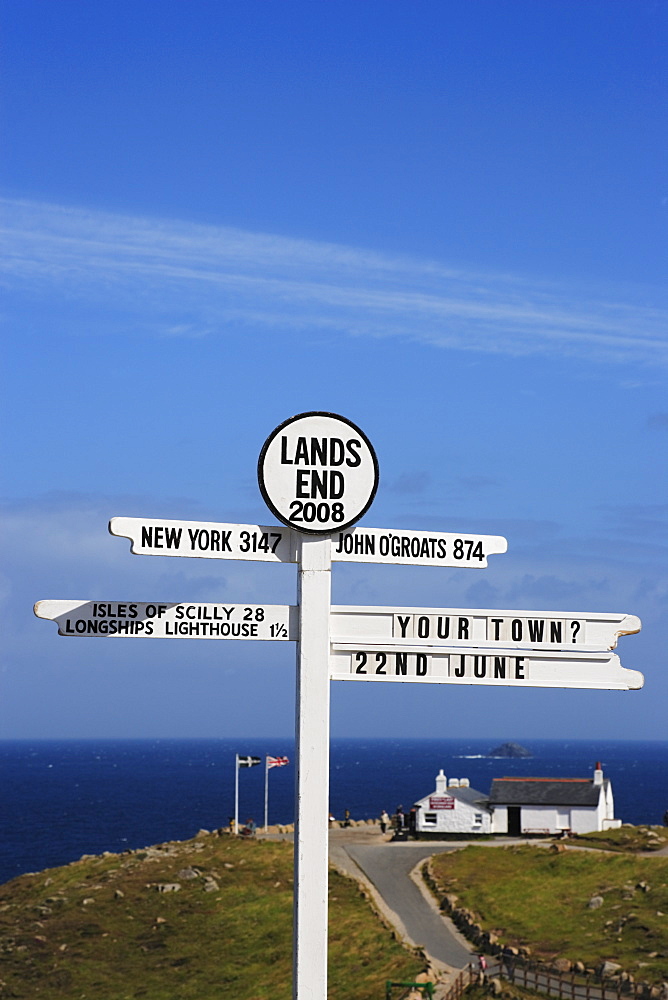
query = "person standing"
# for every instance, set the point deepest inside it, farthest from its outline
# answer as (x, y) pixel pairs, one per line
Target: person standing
(384, 821)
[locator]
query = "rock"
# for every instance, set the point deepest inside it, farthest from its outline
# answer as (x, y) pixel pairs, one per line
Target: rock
(562, 965)
(510, 750)
(608, 969)
(595, 903)
(643, 886)
(119, 894)
(87, 901)
(579, 967)
(495, 987)
(168, 887)
(558, 849)
(188, 873)
(210, 884)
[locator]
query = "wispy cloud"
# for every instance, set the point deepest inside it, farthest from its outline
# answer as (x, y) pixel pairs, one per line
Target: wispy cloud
(183, 280)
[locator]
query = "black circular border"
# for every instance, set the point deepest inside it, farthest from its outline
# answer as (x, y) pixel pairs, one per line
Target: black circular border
(267, 499)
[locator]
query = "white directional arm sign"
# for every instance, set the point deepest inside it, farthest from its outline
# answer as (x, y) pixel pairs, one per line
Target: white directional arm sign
(531, 669)
(481, 627)
(162, 620)
(457, 646)
(416, 548)
(152, 536)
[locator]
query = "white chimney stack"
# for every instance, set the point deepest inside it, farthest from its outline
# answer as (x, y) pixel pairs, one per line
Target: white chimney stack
(598, 774)
(441, 782)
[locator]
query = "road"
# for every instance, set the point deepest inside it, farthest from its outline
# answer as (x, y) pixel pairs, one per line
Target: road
(387, 866)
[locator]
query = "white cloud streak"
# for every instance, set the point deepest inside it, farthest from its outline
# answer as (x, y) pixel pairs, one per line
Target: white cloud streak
(182, 280)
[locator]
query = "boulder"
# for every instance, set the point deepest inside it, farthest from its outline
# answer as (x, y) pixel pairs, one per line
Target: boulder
(595, 903)
(168, 887)
(188, 873)
(607, 969)
(562, 965)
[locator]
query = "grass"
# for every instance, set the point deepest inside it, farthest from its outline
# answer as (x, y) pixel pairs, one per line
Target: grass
(99, 929)
(532, 897)
(625, 838)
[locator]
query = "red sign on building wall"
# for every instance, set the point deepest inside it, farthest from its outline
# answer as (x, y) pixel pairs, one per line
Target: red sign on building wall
(441, 802)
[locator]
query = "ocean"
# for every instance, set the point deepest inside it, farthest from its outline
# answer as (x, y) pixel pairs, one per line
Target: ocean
(65, 798)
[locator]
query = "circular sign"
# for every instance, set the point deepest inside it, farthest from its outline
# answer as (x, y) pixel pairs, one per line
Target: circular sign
(318, 473)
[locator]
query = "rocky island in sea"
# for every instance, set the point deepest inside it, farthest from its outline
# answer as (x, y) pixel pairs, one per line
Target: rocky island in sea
(510, 750)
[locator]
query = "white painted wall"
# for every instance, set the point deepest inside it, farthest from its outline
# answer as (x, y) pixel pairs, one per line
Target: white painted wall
(553, 819)
(463, 818)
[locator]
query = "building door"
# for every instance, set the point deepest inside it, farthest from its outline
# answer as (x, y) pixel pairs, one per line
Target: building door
(514, 821)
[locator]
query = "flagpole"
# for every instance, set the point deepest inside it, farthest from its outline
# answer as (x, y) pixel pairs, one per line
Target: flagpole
(266, 792)
(236, 794)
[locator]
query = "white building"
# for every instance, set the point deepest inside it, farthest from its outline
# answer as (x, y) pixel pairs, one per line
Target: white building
(518, 806)
(454, 807)
(552, 805)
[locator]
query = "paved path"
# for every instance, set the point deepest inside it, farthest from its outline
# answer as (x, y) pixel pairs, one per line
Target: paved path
(388, 866)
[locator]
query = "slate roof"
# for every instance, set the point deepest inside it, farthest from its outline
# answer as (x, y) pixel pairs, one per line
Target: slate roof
(545, 792)
(465, 794)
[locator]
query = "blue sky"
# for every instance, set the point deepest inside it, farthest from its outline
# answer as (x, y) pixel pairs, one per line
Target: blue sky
(445, 221)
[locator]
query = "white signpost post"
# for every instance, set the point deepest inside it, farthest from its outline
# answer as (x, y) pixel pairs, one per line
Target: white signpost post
(318, 473)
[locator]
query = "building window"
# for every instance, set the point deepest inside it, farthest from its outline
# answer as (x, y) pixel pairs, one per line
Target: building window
(430, 819)
(477, 819)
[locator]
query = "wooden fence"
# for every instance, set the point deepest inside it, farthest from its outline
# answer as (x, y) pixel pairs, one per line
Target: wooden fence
(566, 986)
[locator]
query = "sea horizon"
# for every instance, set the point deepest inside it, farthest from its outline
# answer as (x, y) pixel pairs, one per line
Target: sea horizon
(72, 796)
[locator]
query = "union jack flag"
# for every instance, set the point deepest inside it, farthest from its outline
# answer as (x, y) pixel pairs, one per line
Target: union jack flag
(277, 761)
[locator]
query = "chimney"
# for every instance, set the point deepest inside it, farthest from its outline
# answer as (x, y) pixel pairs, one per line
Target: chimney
(441, 782)
(598, 774)
(453, 783)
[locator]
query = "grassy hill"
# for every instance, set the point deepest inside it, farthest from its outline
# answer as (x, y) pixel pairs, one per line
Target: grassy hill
(115, 927)
(535, 898)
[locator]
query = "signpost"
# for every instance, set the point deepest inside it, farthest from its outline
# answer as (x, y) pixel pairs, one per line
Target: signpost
(318, 474)
(206, 539)
(416, 548)
(483, 628)
(113, 619)
(442, 666)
